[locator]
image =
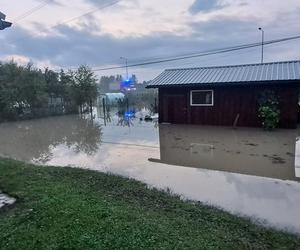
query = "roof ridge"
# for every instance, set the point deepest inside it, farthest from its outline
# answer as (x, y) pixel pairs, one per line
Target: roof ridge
(234, 65)
(275, 72)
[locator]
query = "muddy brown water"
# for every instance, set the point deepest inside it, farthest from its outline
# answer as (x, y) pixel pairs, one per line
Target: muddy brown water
(244, 171)
(248, 151)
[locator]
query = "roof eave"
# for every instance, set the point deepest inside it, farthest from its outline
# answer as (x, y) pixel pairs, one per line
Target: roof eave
(251, 83)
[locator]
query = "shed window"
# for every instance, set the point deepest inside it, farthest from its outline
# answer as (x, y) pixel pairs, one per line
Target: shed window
(202, 98)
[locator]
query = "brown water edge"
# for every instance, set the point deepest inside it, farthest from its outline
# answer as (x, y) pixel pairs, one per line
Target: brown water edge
(250, 151)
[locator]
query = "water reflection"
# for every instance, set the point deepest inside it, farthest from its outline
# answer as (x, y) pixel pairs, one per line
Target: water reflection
(124, 150)
(246, 150)
(36, 139)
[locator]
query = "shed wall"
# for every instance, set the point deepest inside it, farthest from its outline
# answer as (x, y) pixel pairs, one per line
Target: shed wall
(229, 101)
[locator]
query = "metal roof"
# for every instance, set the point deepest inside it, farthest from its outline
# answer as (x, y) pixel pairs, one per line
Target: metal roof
(248, 73)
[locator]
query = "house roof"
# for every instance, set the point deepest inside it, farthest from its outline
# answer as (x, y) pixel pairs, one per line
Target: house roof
(233, 74)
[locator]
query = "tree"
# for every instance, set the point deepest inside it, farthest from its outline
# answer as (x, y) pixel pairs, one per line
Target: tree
(32, 88)
(53, 86)
(25, 91)
(85, 87)
(66, 80)
(20, 88)
(9, 93)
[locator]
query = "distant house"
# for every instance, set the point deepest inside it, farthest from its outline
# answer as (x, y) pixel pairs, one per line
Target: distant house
(111, 98)
(114, 86)
(227, 95)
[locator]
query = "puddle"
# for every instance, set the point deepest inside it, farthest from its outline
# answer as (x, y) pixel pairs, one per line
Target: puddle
(245, 171)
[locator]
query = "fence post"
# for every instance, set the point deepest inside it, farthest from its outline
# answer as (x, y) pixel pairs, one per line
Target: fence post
(104, 110)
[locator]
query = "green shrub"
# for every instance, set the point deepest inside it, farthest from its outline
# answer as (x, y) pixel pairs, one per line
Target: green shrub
(269, 116)
(268, 110)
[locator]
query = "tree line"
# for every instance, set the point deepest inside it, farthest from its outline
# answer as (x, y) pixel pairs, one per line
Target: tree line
(29, 92)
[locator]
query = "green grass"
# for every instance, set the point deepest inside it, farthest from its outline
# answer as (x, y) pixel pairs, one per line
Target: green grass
(65, 208)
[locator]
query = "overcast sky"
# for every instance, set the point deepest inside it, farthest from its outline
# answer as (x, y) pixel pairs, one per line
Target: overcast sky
(146, 29)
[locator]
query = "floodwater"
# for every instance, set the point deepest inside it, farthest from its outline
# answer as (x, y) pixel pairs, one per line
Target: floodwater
(245, 171)
(246, 150)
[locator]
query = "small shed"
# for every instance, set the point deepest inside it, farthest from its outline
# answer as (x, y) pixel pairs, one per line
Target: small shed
(227, 95)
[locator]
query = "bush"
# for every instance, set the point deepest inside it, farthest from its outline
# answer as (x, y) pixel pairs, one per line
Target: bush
(268, 110)
(269, 116)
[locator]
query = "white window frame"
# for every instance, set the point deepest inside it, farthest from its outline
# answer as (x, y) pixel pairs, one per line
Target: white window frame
(202, 90)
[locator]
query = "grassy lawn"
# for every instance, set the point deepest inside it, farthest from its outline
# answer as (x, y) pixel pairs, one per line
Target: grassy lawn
(65, 208)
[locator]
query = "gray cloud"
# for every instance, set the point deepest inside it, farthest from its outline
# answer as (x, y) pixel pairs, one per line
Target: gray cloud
(72, 47)
(203, 6)
(54, 2)
(99, 3)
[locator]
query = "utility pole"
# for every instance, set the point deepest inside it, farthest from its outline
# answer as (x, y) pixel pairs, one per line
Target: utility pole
(262, 44)
(126, 65)
(4, 24)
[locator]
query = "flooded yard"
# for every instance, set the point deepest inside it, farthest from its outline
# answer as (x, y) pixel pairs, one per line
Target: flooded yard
(248, 151)
(245, 171)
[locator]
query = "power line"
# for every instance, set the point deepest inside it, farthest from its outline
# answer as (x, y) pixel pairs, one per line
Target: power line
(201, 54)
(186, 64)
(31, 11)
(210, 59)
(198, 54)
(87, 13)
(74, 18)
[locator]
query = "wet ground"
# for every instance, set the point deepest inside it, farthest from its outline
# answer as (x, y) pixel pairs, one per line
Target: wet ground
(245, 171)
